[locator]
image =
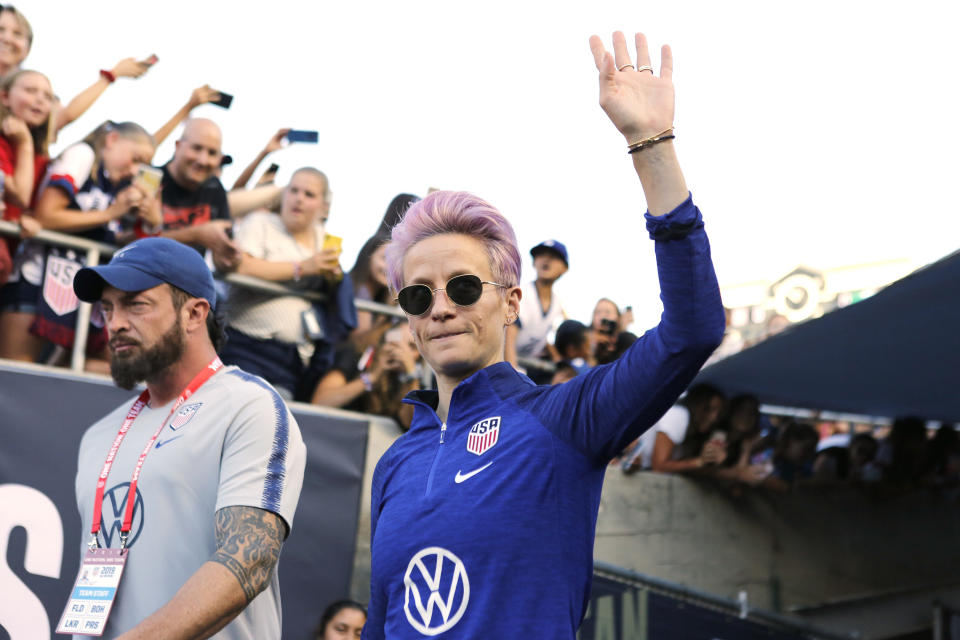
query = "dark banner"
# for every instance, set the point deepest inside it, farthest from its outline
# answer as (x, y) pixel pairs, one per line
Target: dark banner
(620, 611)
(43, 417)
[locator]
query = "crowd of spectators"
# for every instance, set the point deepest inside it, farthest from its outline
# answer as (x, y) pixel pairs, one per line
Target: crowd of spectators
(323, 349)
(314, 348)
(710, 436)
(105, 188)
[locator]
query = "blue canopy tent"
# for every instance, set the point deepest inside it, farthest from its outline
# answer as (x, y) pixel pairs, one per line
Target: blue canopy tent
(895, 353)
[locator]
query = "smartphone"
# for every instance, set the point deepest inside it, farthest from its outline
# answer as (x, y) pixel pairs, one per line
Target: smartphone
(332, 242)
(300, 135)
(151, 59)
(224, 100)
(608, 327)
(148, 179)
(273, 168)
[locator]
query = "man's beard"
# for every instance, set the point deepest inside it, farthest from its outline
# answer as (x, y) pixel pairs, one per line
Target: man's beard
(128, 371)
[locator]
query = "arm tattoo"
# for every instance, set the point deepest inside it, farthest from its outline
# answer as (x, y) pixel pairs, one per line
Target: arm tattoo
(248, 545)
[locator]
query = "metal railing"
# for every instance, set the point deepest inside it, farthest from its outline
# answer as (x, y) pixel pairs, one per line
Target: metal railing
(97, 251)
(94, 252)
(709, 600)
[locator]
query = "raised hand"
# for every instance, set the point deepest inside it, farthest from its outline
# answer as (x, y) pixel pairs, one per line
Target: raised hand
(130, 68)
(150, 210)
(203, 95)
(639, 103)
(276, 142)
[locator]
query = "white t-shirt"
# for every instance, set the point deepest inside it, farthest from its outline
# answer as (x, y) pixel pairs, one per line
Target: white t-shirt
(535, 323)
(262, 315)
(673, 424)
(233, 443)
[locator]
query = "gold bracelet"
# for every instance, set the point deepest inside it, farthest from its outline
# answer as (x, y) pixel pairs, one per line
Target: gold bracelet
(640, 143)
(649, 142)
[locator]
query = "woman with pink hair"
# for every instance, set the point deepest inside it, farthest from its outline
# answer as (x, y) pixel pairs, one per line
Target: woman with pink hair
(483, 513)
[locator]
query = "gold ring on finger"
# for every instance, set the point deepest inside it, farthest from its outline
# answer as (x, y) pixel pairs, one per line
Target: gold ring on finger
(624, 66)
(645, 67)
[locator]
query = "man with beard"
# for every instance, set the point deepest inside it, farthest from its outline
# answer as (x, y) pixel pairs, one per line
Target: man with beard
(221, 456)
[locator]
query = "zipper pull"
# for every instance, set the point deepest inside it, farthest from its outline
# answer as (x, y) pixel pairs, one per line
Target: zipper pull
(443, 430)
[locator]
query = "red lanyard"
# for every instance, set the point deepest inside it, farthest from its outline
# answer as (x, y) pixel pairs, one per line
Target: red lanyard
(208, 371)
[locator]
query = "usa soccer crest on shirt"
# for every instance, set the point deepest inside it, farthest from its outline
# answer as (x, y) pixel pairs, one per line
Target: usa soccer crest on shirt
(58, 284)
(184, 415)
(483, 435)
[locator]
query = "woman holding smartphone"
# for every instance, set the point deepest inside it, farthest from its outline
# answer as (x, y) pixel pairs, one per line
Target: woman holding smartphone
(279, 337)
(483, 513)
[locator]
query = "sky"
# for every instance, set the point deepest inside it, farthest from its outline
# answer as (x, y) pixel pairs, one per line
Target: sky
(815, 133)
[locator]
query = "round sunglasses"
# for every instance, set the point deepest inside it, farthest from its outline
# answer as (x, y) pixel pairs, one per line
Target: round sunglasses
(464, 291)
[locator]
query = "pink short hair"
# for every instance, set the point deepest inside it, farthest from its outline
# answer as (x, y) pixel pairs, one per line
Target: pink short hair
(456, 212)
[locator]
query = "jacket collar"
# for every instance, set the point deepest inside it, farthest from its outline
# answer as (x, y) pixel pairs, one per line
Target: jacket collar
(430, 399)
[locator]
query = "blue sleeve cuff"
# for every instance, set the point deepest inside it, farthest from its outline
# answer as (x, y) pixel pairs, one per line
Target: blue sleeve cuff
(63, 182)
(678, 224)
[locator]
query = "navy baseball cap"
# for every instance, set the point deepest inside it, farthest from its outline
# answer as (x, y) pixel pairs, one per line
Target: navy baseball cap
(552, 245)
(145, 264)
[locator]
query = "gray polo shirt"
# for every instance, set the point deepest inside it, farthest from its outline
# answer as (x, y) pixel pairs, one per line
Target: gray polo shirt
(233, 443)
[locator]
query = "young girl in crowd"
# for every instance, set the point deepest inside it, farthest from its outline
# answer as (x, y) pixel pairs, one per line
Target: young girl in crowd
(88, 192)
(26, 101)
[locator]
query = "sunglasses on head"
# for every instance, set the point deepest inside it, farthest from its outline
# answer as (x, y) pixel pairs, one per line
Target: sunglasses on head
(463, 291)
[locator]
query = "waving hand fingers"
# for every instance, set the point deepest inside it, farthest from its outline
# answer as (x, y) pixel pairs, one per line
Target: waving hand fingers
(638, 102)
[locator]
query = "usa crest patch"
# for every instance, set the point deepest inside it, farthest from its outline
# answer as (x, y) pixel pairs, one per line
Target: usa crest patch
(184, 415)
(483, 435)
(58, 285)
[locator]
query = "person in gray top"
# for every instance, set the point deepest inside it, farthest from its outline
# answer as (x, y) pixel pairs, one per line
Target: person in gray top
(224, 466)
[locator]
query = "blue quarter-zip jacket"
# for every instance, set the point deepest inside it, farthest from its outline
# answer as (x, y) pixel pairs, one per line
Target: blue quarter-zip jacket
(499, 544)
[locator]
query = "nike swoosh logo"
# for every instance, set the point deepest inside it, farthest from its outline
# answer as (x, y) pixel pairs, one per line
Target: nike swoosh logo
(160, 443)
(466, 476)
